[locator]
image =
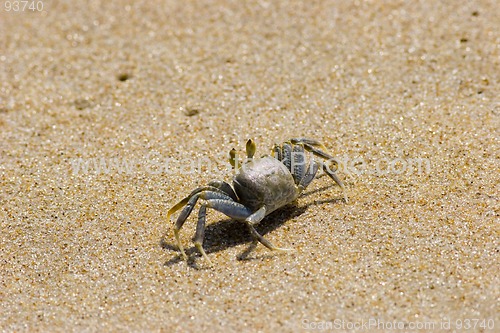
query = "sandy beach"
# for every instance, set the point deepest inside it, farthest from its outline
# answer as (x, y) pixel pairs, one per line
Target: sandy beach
(111, 112)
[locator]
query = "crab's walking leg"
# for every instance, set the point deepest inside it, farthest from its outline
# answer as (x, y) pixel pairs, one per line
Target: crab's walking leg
(229, 208)
(308, 177)
(254, 219)
(200, 232)
(319, 152)
(189, 204)
(311, 142)
(224, 187)
(239, 212)
(182, 218)
(287, 155)
(214, 186)
(298, 163)
(310, 145)
(333, 176)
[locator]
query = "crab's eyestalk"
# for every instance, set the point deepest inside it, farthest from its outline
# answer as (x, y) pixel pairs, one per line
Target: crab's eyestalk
(251, 148)
(233, 159)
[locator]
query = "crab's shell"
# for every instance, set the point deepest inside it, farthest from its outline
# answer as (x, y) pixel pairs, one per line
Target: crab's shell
(265, 182)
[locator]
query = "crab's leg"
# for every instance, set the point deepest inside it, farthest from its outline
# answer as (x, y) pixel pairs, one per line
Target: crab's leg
(308, 177)
(319, 152)
(176, 207)
(287, 154)
(256, 217)
(298, 164)
(230, 208)
(253, 220)
(324, 155)
(311, 142)
(310, 145)
(186, 211)
(200, 232)
(224, 187)
(264, 241)
(237, 211)
(333, 176)
(214, 186)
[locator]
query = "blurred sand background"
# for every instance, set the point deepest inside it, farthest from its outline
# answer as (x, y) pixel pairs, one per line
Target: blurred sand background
(143, 82)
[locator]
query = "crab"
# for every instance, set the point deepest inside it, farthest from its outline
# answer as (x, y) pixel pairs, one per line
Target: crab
(260, 186)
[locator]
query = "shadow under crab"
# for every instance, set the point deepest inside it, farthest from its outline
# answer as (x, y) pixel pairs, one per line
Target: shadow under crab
(228, 233)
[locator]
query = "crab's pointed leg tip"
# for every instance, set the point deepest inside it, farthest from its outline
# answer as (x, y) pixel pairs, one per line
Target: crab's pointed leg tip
(345, 195)
(183, 253)
(283, 249)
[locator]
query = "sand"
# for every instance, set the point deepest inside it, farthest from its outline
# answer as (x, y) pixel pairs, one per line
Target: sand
(150, 87)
